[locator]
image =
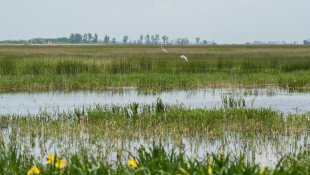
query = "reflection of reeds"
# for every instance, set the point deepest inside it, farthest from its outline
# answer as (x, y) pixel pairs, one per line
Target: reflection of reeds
(147, 160)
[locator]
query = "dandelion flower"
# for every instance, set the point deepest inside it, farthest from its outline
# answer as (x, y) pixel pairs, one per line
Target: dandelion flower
(210, 170)
(132, 163)
(61, 163)
(50, 159)
(33, 170)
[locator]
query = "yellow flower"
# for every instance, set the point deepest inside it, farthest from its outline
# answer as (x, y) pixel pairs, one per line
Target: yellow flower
(210, 170)
(33, 170)
(183, 170)
(61, 163)
(132, 163)
(262, 170)
(210, 161)
(50, 159)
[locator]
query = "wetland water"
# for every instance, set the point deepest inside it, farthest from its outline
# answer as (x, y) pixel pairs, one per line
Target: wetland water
(260, 149)
(32, 103)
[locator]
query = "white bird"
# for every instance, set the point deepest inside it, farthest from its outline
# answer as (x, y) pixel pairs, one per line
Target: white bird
(163, 49)
(183, 57)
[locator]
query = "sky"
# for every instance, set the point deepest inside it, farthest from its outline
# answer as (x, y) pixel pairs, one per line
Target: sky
(225, 21)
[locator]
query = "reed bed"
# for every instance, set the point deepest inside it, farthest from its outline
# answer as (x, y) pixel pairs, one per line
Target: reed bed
(99, 67)
(159, 119)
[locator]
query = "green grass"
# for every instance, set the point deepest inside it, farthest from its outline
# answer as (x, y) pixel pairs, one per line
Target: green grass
(159, 119)
(85, 130)
(100, 67)
(153, 160)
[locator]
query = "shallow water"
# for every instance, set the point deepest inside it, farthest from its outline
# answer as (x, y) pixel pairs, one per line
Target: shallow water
(32, 103)
(259, 149)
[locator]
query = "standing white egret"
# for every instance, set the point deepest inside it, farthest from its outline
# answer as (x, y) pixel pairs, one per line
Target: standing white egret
(183, 57)
(163, 49)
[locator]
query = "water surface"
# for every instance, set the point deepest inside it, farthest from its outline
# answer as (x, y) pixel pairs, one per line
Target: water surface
(32, 103)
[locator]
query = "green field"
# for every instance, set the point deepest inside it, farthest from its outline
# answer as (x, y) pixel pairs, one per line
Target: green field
(37, 68)
(157, 138)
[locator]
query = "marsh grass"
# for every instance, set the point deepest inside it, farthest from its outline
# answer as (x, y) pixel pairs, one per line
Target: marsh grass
(159, 119)
(152, 160)
(70, 67)
(99, 132)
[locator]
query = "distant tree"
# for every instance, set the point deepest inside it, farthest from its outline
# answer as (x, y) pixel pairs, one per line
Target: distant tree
(106, 39)
(155, 39)
(71, 38)
(37, 41)
(85, 38)
(197, 40)
(306, 42)
(182, 41)
(114, 40)
(140, 41)
(165, 39)
(147, 39)
(125, 39)
(205, 42)
(75, 38)
(58, 40)
(95, 38)
(78, 38)
(90, 37)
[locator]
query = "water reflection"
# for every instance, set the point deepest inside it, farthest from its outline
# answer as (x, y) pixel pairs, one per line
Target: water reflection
(284, 100)
(259, 149)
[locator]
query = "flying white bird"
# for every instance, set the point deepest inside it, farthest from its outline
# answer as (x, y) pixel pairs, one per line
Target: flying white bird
(163, 49)
(183, 57)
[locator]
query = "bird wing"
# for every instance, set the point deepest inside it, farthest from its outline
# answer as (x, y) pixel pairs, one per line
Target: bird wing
(184, 57)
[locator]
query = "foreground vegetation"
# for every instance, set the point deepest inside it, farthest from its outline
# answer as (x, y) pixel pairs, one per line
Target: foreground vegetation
(36, 68)
(153, 160)
(85, 133)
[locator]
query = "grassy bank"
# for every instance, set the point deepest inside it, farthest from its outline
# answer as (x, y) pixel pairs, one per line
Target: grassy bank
(100, 67)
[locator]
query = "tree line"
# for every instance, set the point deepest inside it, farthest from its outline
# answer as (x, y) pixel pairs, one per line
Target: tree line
(87, 38)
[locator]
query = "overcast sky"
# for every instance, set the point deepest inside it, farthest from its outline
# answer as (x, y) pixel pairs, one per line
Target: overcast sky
(226, 21)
